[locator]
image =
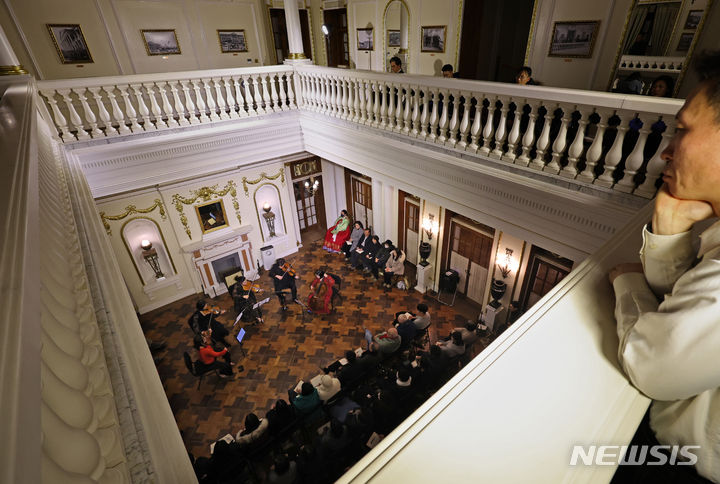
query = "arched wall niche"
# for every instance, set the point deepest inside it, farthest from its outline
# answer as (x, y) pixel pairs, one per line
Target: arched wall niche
(267, 193)
(134, 231)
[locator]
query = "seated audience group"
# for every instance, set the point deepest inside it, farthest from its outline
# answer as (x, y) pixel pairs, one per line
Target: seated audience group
(323, 429)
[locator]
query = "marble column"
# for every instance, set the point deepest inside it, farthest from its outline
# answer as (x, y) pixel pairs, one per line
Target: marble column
(294, 33)
(9, 63)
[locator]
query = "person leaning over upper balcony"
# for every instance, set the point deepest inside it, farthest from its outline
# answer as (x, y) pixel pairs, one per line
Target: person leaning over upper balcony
(447, 71)
(668, 308)
(524, 77)
(396, 65)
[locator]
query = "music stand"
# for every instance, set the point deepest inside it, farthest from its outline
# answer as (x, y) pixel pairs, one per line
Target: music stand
(239, 338)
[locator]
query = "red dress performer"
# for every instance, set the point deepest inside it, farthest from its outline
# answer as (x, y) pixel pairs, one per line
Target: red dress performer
(321, 291)
(336, 235)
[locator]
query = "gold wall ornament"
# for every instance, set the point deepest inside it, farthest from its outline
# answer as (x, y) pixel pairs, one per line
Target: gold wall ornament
(129, 210)
(205, 194)
(263, 176)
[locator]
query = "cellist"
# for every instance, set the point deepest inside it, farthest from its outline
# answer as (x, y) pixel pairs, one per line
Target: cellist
(321, 291)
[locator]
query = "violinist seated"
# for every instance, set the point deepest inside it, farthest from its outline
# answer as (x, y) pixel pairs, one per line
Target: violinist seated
(243, 294)
(208, 356)
(321, 293)
(205, 317)
(283, 277)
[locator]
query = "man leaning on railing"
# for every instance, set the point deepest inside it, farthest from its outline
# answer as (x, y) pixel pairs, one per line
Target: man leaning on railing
(669, 349)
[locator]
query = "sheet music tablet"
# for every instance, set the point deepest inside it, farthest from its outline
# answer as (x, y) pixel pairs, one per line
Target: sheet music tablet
(240, 335)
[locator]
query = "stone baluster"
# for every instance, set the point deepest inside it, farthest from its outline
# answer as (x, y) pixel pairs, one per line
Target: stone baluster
(465, 122)
(376, 96)
(179, 108)
(248, 95)
(130, 110)
(202, 108)
(576, 148)
(166, 107)
(434, 116)
(354, 101)
(614, 155)
(560, 144)
(189, 104)
(408, 99)
(395, 108)
(219, 102)
(290, 90)
(103, 112)
(444, 115)
(488, 129)
(89, 115)
(656, 164)
(267, 101)
(543, 141)
(60, 121)
(416, 114)
(334, 105)
(74, 116)
(595, 151)
(528, 138)
(281, 89)
(369, 102)
(384, 94)
(154, 106)
(501, 131)
(117, 113)
(305, 94)
(257, 96)
(273, 92)
(229, 98)
(475, 129)
(319, 92)
(362, 118)
(349, 99)
(314, 93)
(324, 94)
(340, 112)
(634, 161)
(514, 134)
(344, 98)
(453, 126)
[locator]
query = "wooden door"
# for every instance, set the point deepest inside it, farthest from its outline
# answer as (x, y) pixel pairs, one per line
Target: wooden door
(545, 270)
(411, 230)
(338, 47)
(361, 201)
(470, 256)
(310, 207)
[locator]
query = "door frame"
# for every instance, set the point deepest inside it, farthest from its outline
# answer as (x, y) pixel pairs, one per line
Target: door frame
(538, 253)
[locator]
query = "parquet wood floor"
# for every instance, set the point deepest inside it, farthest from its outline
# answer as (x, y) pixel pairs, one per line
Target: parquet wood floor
(280, 352)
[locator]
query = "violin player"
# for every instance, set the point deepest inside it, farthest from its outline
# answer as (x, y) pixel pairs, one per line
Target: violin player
(283, 277)
(243, 294)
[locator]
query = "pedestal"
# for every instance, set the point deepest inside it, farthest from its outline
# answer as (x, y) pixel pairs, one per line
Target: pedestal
(423, 277)
(492, 315)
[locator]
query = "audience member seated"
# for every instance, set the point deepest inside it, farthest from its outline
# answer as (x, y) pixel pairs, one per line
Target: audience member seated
(351, 371)
(387, 342)
(308, 400)
(662, 87)
(283, 471)
(454, 347)
(207, 356)
(336, 235)
(369, 359)
(328, 388)
(223, 465)
(406, 329)
(469, 333)
(369, 255)
(335, 439)
(403, 383)
(422, 319)
(380, 259)
(395, 266)
(311, 465)
(362, 248)
(434, 365)
(279, 416)
(356, 237)
(254, 431)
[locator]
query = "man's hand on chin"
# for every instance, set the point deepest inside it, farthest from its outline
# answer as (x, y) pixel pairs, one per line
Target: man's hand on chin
(674, 216)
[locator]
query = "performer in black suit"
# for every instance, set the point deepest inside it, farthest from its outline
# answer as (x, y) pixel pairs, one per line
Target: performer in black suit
(243, 294)
(283, 277)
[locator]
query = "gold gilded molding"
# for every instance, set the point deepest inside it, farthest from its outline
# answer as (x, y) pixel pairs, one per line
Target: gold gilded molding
(129, 210)
(206, 194)
(531, 36)
(263, 176)
(12, 70)
(296, 55)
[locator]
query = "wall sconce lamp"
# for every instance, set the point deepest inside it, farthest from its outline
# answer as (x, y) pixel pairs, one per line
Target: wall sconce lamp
(311, 185)
(430, 226)
(269, 218)
(325, 30)
(506, 263)
(151, 257)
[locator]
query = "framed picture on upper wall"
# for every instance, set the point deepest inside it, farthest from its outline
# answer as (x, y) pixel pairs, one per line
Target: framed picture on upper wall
(685, 41)
(161, 42)
(70, 43)
(693, 19)
(394, 38)
(365, 39)
(573, 39)
(211, 216)
(232, 41)
(433, 38)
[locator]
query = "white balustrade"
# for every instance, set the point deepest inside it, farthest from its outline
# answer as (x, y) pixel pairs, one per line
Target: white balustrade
(514, 134)
(487, 133)
(543, 141)
(613, 157)
(560, 144)
(500, 132)
(443, 121)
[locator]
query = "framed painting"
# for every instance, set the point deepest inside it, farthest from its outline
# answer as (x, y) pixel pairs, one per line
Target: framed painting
(685, 41)
(212, 216)
(432, 38)
(161, 42)
(70, 43)
(365, 39)
(693, 19)
(573, 39)
(394, 38)
(232, 41)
